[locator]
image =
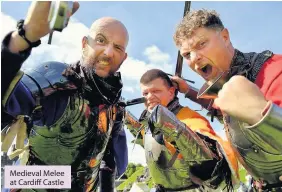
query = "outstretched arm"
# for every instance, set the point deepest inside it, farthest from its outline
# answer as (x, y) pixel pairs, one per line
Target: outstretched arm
(11, 63)
(16, 48)
(190, 145)
(194, 139)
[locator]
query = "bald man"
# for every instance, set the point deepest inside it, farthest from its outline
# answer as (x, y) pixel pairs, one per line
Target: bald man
(66, 114)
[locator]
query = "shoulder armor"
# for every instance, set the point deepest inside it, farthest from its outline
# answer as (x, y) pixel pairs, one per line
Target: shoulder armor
(46, 78)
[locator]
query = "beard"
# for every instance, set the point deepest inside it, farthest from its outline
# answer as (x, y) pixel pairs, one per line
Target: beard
(93, 65)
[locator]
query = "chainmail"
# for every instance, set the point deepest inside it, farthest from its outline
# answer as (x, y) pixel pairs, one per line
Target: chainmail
(248, 64)
(96, 89)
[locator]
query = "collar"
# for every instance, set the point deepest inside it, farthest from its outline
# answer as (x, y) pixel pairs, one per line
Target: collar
(95, 88)
(248, 64)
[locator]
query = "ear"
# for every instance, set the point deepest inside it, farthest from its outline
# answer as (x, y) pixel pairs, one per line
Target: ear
(172, 91)
(225, 36)
(125, 56)
(84, 42)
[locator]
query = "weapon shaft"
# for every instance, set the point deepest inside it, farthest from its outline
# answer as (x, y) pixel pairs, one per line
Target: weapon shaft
(182, 78)
(192, 95)
(50, 38)
(135, 101)
(179, 62)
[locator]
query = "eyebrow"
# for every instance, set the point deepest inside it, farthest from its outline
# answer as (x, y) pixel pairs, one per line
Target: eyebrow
(198, 40)
(100, 34)
(120, 46)
(194, 44)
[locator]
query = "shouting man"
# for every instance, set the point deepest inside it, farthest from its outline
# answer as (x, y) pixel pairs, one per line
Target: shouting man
(246, 87)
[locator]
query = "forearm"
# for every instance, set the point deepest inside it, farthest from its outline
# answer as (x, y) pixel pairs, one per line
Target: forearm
(269, 130)
(17, 43)
(11, 63)
(192, 95)
(188, 143)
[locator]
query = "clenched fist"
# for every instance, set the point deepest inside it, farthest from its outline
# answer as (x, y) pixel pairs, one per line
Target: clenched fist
(242, 99)
(36, 22)
(36, 25)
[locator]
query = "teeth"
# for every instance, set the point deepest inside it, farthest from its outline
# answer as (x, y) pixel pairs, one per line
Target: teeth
(104, 63)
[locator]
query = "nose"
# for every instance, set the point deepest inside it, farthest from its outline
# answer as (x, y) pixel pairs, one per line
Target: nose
(149, 96)
(194, 59)
(109, 51)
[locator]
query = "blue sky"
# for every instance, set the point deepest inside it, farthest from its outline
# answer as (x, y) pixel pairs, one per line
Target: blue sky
(253, 26)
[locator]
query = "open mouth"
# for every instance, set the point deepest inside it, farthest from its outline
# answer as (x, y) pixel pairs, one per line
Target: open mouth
(104, 63)
(206, 70)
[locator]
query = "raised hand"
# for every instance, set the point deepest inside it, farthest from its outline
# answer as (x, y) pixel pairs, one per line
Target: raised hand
(180, 84)
(36, 25)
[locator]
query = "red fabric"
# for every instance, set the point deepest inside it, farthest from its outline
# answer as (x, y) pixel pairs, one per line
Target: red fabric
(269, 79)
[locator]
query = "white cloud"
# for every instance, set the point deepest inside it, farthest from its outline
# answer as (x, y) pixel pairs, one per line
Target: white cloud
(155, 55)
(133, 69)
(7, 24)
(65, 46)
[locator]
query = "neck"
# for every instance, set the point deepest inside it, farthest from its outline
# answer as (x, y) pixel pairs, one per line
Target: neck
(231, 51)
(241, 62)
(174, 105)
(237, 59)
(82, 61)
(231, 55)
